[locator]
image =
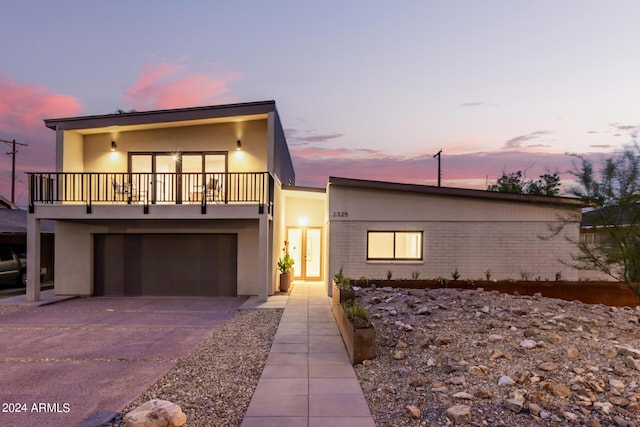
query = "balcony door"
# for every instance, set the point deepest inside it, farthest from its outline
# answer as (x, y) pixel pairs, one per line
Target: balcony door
(177, 177)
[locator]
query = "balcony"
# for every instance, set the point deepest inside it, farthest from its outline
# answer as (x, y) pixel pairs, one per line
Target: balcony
(204, 189)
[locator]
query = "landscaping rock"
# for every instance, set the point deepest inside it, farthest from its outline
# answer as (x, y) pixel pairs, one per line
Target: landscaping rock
(459, 414)
(526, 361)
(156, 413)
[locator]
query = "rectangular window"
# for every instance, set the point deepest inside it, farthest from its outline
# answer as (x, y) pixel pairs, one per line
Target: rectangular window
(394, 245)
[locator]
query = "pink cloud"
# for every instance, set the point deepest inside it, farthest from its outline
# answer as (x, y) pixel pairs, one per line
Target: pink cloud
(469, 170)
(22, 109)
(23, 106)
(164, 86)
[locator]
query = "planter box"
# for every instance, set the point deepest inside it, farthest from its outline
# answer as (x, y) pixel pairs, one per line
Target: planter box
(360, 343)
(589, 292)
(339, 296)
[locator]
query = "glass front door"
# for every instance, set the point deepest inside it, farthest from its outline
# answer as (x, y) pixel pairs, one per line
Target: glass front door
(305, 247)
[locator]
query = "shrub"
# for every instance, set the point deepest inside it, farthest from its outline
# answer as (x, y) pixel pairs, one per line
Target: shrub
(525, 275)
(342, 282)
(356, 313)
(415, 275)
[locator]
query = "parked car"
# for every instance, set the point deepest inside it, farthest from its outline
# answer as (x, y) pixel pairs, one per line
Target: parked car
(13, 267)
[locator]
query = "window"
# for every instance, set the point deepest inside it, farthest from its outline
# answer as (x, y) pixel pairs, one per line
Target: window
(394, 245)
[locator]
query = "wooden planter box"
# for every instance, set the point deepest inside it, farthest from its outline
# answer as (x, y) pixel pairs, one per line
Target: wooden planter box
(360, 343)
(589, 292)
(339, 296)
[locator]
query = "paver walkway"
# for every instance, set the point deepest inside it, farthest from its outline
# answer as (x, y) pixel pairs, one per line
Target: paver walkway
(308, 379)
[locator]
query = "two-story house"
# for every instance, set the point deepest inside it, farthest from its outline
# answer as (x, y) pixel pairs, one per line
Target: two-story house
(175, 202)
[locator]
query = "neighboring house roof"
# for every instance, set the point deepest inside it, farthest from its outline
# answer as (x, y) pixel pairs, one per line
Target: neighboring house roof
(141, 118)
(14, 221)
(602, 216)
(6, 204)
(455, 192)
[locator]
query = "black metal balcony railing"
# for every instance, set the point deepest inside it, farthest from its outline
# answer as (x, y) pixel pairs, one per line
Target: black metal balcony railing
(151, 188)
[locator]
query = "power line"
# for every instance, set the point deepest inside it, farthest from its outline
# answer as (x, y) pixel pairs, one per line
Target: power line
(12, 153)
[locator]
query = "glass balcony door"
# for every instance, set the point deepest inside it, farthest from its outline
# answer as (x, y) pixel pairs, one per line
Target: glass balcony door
(165, 178)
(181, 177)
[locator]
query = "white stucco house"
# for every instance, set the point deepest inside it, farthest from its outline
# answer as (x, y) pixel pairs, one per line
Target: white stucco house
(200, 201)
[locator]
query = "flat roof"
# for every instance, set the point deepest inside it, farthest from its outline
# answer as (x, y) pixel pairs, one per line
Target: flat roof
(454, 192)
(192, 114)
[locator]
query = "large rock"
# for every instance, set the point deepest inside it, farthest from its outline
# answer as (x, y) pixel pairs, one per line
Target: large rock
(459, 414)
(156, 413)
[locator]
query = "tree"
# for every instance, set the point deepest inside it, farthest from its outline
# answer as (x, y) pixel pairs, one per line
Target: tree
(613, 194)
(514, 182)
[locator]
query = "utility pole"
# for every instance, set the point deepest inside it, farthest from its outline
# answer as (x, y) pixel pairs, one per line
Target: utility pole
(438, 155)
(12, 153)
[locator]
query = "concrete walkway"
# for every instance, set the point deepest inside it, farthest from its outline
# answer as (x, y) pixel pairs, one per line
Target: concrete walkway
(308, 380)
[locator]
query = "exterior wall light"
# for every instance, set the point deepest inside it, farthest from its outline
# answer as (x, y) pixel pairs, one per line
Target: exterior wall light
(238, 145)
(113, 146)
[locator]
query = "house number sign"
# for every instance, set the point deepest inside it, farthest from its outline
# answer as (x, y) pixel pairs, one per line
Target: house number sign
(340, 214)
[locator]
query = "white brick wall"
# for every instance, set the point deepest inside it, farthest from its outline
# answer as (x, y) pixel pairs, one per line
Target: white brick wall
(473, 236)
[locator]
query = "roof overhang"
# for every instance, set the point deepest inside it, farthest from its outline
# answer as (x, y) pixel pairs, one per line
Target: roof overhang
(164, 118)
(455, 192)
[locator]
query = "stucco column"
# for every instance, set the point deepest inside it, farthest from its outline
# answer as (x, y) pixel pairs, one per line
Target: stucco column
(263, 254)
(33, 258)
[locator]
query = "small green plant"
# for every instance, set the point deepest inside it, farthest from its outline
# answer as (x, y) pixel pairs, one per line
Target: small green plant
(468, 281)
(488, 274)
(415, 275)
(455, 275)
(342, 282)
(389, 274)
(441, 280)
(285, 263)
(355, 311)
(559, 276)
(525, 275)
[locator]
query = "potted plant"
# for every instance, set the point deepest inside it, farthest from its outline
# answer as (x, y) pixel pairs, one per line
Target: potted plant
(285, 265)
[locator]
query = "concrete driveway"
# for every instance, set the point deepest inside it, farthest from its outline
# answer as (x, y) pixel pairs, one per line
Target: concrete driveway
(78, 362)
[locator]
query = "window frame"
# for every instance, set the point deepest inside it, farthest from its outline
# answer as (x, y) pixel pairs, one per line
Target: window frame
(395, 232)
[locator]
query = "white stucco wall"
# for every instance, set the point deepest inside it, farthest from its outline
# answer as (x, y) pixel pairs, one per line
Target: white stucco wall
(96, 148)
(472, 235)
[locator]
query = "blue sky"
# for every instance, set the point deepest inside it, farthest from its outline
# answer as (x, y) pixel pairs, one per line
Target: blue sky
(364, 89)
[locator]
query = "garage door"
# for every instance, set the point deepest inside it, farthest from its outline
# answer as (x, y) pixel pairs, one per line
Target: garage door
(165, 264)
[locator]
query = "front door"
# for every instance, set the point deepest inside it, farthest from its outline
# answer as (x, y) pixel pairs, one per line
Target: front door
(305, 247)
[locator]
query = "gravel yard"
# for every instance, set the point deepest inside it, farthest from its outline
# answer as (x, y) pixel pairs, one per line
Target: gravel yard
(213, 384)
(489, 359)
(444, 357)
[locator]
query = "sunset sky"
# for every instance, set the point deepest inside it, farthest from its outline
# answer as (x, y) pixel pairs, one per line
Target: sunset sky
(364, 89)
